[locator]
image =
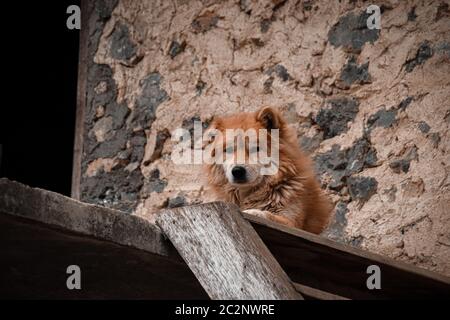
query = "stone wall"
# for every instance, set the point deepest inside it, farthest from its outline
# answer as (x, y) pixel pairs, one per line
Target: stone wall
(371, 107)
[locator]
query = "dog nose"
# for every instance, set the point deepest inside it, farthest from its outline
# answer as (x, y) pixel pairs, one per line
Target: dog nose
(238, 173)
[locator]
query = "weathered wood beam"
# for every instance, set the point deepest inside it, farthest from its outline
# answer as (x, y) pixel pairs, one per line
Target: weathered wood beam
(339, 269)
(225, 253)
(103, 223)
(34, 258)
(86, 7)
(312, 261)
(316, 294)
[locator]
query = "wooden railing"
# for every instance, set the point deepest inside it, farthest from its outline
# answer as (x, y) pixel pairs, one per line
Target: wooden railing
(210, 250)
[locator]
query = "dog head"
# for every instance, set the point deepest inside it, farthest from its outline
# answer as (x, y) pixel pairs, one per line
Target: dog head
(244, 148)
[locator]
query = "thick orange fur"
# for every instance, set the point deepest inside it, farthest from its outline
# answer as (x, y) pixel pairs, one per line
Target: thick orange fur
(292, 196)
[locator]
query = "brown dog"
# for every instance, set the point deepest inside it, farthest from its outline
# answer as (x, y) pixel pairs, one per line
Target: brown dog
(289, 195)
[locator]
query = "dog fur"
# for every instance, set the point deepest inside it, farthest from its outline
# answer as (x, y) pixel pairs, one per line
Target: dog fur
(292, 196)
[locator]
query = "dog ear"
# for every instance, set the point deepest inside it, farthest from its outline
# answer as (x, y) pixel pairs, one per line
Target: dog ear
(270, 118)
(211, 132)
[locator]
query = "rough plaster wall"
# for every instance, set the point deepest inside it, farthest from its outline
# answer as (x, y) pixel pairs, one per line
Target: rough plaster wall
(371, 107)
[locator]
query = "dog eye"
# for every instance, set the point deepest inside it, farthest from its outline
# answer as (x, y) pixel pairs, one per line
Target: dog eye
(229, 149)
(254, 149)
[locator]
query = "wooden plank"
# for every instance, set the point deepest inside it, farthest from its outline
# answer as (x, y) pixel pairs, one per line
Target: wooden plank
(225, 253)
(341, 270)
(315, 294)
(34, 258)
(309, 260)
(81, 100)
(103, 223)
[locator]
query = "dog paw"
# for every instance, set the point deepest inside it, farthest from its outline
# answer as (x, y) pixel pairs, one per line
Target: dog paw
(257, 212)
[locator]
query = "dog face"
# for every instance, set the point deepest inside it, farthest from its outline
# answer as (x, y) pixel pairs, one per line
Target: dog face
(241, 166)
(244, 146)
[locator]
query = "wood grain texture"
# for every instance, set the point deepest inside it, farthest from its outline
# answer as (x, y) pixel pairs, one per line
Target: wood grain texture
(339, 269)
(225, 253)
(81, 99)
(34, 258)
(106, 224)
(321, 268)
(316, 294)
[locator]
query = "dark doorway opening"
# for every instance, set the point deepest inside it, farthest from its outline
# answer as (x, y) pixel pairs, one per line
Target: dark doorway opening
(37, 119)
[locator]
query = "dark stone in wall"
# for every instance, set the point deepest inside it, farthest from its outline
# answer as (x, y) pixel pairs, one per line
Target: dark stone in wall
(424, 127)
(356, 241)
(333, 118)
(188, 124)
(412, 14)
(382, 118)
(265, 25)
(99, 13)
(176, 48)
(280, 71)
(353, 73)
(117, 189)
(333, 163)
(435, 139)
(108, 148)
(336, 229)
(399, 165)
(341, 164)
(199, 87)
(122, 48)
(443, 48)
(405, 103)
(161, 138)
(104, 8)
(119, 113)
(403, 164)
(362, 188)
(423, 54)
(360, 156)
(310, 144)
(154, 184)
(178, 201)
(341, 211)
(151, 97)
(138, 142)
(351, 32)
